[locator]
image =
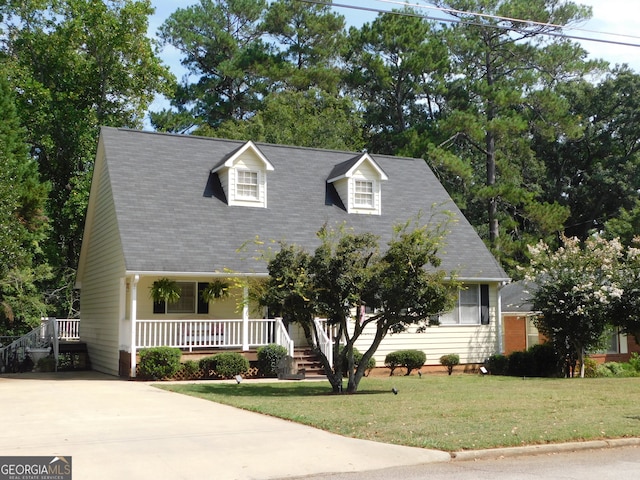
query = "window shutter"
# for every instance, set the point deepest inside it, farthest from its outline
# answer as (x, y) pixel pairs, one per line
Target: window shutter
(203, 307)
(159, 307)
(484, 304)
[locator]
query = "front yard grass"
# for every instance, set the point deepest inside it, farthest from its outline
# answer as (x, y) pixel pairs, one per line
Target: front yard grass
(447, 413)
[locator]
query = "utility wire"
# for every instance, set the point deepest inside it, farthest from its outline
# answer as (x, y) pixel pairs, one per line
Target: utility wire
(479, 24)
(453, 11)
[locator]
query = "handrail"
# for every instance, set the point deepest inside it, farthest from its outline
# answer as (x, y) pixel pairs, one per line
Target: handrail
(325, 342)
(43, 336)
(283, 338)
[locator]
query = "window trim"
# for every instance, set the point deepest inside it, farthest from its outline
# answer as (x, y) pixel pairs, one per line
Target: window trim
(481, 306)
(247, 185)
(359, 195)
(200, 307)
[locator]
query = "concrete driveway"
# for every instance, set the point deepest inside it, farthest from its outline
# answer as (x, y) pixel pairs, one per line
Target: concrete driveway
(130, 430)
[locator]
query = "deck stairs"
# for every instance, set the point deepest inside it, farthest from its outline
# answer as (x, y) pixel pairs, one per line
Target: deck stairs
(22, 354)
(305, 358)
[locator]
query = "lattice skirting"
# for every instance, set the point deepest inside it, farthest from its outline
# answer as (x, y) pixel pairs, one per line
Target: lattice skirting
(184, 375)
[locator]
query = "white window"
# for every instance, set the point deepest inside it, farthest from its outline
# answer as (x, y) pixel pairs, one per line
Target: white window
(187, 301)
(467, 311)
(247, 184)
(363, 193)
(533, 338)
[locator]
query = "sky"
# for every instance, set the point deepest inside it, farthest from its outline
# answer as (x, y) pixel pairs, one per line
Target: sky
(618, 18)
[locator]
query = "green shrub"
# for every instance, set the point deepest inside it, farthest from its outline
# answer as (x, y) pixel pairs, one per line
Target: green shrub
(190, 368)
(47, 364)
(449, 361)
(616, 369)
(410, 359)
(621, 369)
(634, 362)
(268, 358)
(603, 371)
(159, 362)
(357, 358)
(546, 362)
(208, 365)
(225, 365)
(590, 368)
(498, 364)
(520, 364)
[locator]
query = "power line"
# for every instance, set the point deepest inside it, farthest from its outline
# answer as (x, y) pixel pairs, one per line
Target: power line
(509, 19)
(479, 24)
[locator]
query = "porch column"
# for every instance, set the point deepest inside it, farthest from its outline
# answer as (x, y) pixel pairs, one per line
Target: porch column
(134, 314)
(245, 319)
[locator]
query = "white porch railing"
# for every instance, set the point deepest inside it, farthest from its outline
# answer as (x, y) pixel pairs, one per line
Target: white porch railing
(326, 341)
(190, 334)
(68, 328)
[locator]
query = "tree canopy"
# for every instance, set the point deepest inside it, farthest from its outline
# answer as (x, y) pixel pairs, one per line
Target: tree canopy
(76, 65)
(23, 224)
(402, 285)
(577, 289)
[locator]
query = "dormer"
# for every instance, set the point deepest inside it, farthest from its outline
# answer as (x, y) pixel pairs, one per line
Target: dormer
(358, 182)
(243, 176)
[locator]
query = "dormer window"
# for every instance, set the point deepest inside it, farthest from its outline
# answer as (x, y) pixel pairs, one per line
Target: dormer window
(358, 183)
(247, 184)
(364, 193)
(243, 176)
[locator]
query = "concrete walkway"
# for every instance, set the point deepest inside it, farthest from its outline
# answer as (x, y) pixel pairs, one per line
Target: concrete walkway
(116, 429)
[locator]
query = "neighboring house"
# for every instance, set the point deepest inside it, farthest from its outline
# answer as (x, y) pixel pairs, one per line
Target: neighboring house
(517, 318)
(520, 333)
(183, 207)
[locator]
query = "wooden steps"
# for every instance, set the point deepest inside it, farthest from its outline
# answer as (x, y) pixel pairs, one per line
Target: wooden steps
(308, 360)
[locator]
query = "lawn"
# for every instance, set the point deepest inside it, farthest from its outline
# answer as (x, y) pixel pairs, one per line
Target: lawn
(448, 413)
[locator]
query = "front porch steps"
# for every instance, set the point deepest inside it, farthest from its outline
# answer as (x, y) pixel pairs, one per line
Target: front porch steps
(308, 360)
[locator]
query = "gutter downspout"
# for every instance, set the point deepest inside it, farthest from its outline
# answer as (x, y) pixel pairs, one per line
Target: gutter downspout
(134, 314)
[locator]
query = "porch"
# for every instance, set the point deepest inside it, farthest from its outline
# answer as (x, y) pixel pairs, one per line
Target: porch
(199, 338)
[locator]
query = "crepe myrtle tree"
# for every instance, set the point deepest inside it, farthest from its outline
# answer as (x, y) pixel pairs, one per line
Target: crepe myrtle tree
(403, 285)
(577, 291)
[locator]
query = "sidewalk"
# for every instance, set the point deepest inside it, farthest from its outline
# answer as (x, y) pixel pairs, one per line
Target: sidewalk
(130, 430)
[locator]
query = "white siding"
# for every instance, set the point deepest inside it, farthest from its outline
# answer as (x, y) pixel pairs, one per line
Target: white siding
(101, 284)
(347, 190)
(474, 343)
(248, 161)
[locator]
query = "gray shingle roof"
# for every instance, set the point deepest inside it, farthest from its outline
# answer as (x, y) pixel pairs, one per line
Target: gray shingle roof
(173, 217)
(517, 297)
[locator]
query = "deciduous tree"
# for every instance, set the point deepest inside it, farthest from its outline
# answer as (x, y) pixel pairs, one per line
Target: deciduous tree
(577, 290)
(346, 272)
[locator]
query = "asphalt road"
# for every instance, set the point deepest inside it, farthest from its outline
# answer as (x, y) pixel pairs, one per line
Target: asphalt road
(600, 464)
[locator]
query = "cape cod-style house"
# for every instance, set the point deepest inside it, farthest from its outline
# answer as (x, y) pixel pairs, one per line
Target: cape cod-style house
(182, 208)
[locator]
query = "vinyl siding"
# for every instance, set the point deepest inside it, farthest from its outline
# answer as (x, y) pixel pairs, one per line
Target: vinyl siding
(101, 282)
(474, 343)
